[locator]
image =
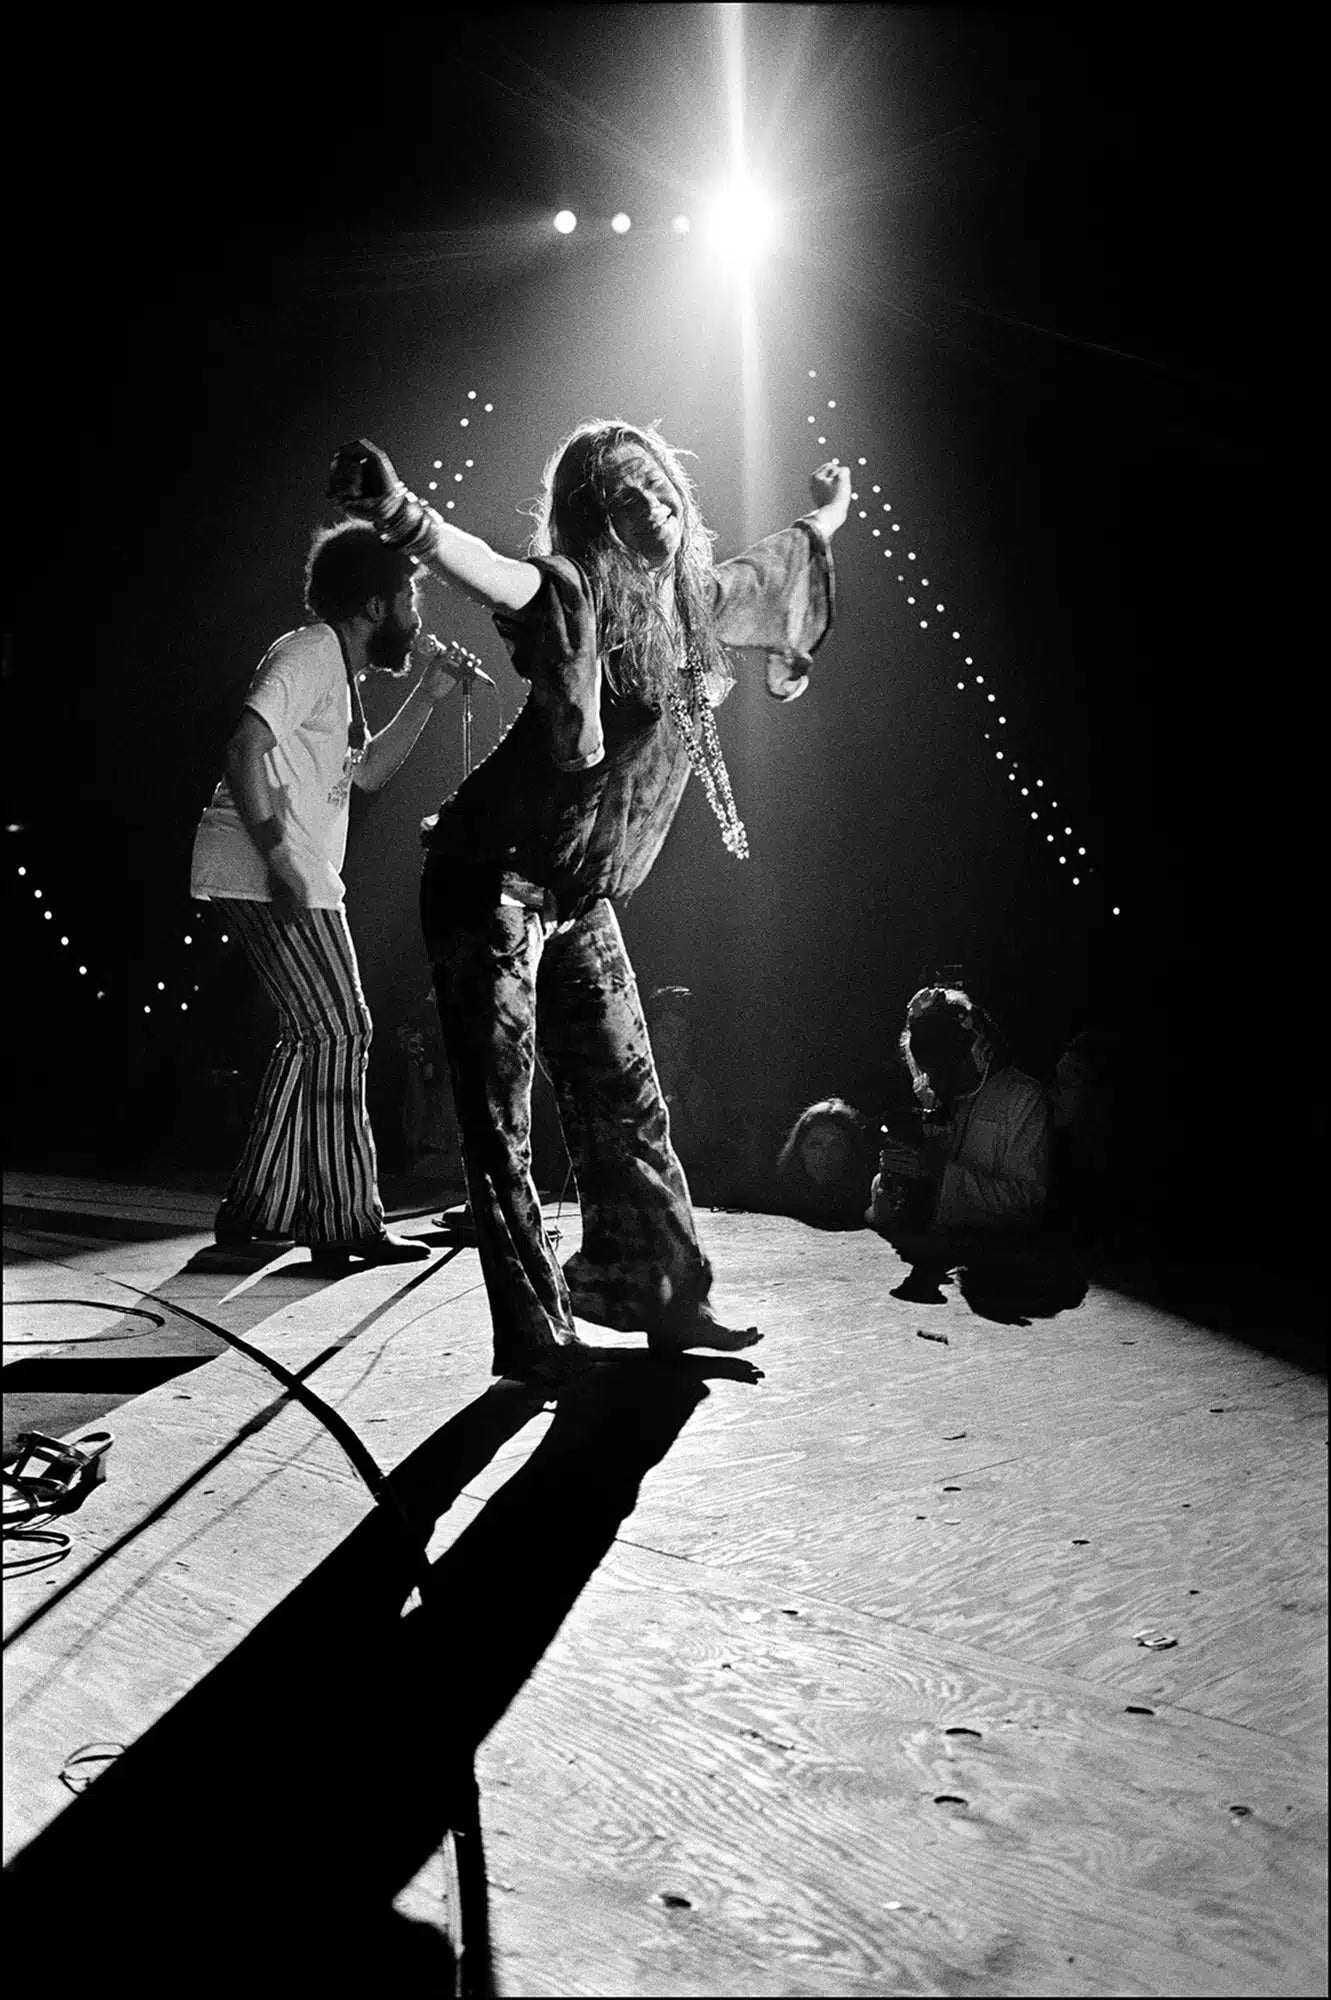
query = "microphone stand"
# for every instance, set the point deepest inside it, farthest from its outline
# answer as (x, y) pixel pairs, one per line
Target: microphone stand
(459, 1224)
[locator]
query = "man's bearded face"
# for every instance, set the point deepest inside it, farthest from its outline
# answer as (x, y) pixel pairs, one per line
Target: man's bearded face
(388, 647)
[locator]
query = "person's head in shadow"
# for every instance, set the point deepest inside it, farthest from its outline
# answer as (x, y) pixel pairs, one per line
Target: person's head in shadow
(950, 1046)
(825, 1165)
(1084, 1193)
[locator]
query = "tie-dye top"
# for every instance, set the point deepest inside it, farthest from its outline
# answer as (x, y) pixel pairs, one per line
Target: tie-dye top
(522, 824)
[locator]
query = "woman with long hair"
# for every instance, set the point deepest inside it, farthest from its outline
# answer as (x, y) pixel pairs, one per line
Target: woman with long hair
(621, 621)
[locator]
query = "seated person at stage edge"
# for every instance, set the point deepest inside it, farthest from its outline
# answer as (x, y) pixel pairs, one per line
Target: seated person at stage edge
(823, 1168)
(982, 1171)
(1085, 1199)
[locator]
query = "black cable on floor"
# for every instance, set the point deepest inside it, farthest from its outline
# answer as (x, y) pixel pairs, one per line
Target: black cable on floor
(361, 1459)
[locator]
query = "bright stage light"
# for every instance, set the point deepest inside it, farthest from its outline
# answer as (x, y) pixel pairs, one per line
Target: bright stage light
(741, 221)
(566, 222)
(621, 223)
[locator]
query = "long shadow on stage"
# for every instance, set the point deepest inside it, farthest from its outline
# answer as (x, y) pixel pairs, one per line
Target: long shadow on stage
(261, 1831)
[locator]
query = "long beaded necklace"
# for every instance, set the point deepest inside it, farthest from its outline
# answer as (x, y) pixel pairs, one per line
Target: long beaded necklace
(704, 751)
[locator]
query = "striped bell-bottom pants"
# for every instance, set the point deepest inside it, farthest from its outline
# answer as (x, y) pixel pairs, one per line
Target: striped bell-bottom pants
(308, 1169)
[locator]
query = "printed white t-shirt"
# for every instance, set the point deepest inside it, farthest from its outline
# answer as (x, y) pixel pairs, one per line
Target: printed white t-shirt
(301, 692)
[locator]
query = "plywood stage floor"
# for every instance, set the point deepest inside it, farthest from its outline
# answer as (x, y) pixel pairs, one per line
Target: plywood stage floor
(976, 1646)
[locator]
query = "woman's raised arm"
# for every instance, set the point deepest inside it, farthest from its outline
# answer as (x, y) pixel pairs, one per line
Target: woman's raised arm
(364, 482)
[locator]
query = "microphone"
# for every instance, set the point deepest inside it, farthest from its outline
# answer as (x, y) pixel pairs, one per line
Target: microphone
(456, 660)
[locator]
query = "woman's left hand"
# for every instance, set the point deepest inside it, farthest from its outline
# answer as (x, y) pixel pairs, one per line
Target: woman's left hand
(830, 487)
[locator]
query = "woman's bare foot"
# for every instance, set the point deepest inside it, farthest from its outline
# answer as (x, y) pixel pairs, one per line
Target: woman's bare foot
(698, 1326)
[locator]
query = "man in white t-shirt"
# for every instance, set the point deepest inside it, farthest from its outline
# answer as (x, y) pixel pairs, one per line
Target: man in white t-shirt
(269, 851)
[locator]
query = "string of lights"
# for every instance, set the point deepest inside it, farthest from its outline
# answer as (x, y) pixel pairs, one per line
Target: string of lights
(164, 996)
(468, 464)
(1071, 855)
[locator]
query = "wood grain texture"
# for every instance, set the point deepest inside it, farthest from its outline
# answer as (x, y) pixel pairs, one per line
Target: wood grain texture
(731, 1769)
(251, 1495)
(785, 1768)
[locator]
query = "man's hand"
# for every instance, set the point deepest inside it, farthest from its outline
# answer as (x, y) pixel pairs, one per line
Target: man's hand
(899, 1158)
(286, 889)
(830, 487)
(363, 481)
(449, 666)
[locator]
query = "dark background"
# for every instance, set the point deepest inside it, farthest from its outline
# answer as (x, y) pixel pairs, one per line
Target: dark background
(1053, 266)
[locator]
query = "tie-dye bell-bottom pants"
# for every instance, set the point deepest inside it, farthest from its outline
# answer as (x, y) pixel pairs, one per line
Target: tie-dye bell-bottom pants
(507, 983)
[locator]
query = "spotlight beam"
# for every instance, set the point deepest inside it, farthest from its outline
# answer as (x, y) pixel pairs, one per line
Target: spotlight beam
(754, 452)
